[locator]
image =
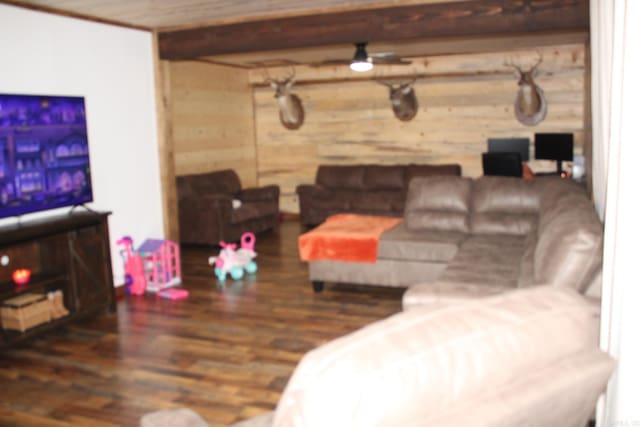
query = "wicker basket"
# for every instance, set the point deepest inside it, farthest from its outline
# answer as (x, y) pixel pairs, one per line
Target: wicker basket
(25, 311)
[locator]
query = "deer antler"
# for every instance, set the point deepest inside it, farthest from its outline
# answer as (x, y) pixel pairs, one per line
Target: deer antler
(410, 83)
(511, 64)
(267, 77)
(537, 63)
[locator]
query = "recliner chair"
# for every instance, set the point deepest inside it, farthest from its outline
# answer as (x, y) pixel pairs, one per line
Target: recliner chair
(212, 207)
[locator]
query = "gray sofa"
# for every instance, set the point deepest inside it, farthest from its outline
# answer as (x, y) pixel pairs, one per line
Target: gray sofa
(462, 237)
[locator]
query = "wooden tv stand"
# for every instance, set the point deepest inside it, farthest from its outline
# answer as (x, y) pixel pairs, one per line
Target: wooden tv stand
(69, 252)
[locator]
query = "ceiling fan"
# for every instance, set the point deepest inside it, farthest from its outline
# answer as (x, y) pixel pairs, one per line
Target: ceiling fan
(363, 61)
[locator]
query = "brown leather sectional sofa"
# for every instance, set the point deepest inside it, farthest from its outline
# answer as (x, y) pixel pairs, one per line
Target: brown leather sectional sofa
(365, 189)
(463, 238)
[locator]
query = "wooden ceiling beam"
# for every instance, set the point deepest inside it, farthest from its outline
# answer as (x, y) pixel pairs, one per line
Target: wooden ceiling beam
(466, 18)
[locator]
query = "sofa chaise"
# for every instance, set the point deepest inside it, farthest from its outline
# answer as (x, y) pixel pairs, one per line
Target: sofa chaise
(462, 236)
(366, 189)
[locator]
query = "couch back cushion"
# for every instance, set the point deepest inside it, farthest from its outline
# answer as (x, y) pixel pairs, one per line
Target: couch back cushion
(381, 177)
(341, 177)
(218, 182)
(415, 171)
(503, 205)
(438, 203)
(569, 248)
(414, 367)
(387, 201)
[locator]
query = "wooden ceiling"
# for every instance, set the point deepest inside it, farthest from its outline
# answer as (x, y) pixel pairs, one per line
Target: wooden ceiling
(258, 33)
(165, 15)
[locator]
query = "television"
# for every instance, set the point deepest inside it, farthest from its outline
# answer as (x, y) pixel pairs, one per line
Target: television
(502, 164)
(44, 153)
(554, 146)
(510, 145)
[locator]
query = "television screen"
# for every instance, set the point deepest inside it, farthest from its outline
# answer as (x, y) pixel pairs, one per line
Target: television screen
(554, 146)
(44, 153)
(510, 145)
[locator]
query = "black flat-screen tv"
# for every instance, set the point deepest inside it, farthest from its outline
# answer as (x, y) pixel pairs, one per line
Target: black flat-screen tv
(44, 153)
(510, 145)
(554, 146)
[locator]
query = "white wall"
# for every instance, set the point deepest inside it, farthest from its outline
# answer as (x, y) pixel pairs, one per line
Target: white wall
(621, 290)
(112, 68)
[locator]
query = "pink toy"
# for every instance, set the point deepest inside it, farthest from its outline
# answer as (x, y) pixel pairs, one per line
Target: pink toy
(174, 294)
(133, 267)
(161, 259)
(235, 262)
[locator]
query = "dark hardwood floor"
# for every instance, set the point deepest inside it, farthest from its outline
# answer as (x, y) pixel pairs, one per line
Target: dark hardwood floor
(226, 352)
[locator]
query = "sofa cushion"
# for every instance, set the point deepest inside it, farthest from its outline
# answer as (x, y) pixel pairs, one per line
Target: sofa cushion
(486, 260)
(379, 177)
(400, 243)
(222, 182)
(503, 205)
(438, 203)
(339, 202)
(569, 249)
(341, 177)
(418, 364)
(383, 201)
(415, 171)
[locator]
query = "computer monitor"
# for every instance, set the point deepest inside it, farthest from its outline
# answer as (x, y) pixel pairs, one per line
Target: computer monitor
(554, 146)
(502, 164)
(510, 145)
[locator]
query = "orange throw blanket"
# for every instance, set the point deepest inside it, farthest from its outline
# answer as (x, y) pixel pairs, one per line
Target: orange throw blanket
(345, 237)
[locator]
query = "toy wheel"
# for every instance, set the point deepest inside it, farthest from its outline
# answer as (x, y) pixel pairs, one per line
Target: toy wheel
(251, 267)
(237, 273)
(221, 275)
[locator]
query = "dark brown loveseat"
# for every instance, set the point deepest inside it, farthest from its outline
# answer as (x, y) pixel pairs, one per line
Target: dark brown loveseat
(206, 209)
(365, 189)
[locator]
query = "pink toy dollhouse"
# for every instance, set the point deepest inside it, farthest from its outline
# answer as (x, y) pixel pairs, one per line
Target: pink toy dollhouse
(161, 260)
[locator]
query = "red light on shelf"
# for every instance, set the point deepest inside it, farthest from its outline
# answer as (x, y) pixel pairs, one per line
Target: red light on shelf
(21, 276)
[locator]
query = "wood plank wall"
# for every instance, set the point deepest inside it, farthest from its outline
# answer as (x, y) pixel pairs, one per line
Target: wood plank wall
(212, 120)
(464, 99)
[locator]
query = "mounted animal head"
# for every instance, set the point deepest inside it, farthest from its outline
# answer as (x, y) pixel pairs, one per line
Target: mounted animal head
(291, 110)
(403, 99)
(530, 106)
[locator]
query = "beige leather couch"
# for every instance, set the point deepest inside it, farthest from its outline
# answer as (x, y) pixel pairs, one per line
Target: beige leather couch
(464, 238)
(527, 357)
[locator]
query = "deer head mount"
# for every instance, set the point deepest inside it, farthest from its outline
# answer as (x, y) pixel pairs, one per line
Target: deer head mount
(403, 99)
(291, 110)
(530, 106)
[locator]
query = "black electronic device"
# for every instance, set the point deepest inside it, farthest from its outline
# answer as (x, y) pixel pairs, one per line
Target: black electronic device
(502, 164)
(510, 145)
(554, 146)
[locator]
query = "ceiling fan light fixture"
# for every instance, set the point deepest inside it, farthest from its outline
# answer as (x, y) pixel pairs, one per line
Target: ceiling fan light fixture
(361, 61)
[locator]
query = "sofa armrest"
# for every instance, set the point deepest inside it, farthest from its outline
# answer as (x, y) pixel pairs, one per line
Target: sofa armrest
(307, 193)
(313, 191)
(255, 194)
(202, 218)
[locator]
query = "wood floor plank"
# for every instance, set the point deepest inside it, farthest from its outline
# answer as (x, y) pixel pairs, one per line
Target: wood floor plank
(227, 351)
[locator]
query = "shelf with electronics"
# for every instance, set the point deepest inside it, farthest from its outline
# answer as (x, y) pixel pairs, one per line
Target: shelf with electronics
(69, 262)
